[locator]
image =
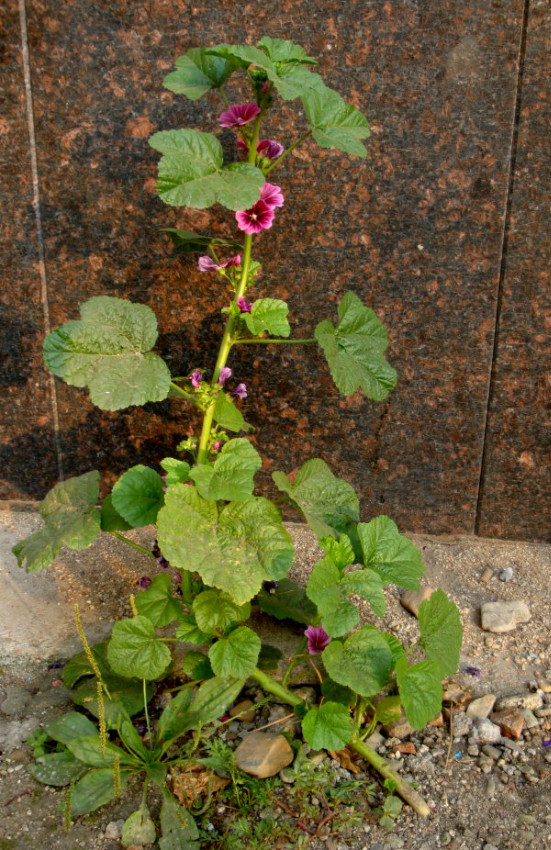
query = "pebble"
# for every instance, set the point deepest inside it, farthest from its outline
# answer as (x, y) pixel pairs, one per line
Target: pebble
(485, 732)
(113, 831)
(375, 740)
(506, 574)
(400, 729)
(276, 715)
(491, 787)
(491, 752)
(481, 707)
(486, 575)
(263, 754)
(243, 706)
(530, 718)
(499, 617)
(510, 721)
(530, 701)
(461, 724)
(411, 599)
(305, 693)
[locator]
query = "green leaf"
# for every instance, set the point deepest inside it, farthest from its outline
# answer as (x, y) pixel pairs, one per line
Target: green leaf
(235, 655)
(138, 828)
(441, 632)
(94, 790)
(340, 551)
(70, 727)
(338, 615)
(363, 662)
(89, 751)
(420, 690)
(197, 72)
(79, 666)
(111, 520)
(389, 710)
(227, 415)
(71, 519)
(57, 769)
(215, 611)
(173, 718)
(321, 496)
(196, 665)
(124, 692)
(108, 351)
(287, 601)
(138, 495)
(231, 477)
(194, 243)
(396, 648)
(337, 693)
(328, 727)
(212, 700)
(390, 554)
(334, 122)
(178, 827)
(268, 315)
(281, 50)
(188, 631)
(354, 350)
(134, 650)
(177, 471)
(269, 658)
(369, 585)
(192, 173)
(117, 717)
(234, 551)
(157, 602)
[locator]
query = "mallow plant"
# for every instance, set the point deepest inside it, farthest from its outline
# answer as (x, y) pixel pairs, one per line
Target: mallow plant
(227, 543)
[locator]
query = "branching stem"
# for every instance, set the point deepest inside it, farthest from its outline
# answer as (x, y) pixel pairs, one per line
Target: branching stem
(288, 151)
(274, 341)
(132, 544)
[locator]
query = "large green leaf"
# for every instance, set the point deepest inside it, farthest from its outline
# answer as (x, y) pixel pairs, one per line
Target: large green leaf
(95, 789)
(334, 122)
(323, 498)
(235, 550)
(127, 693)
(338, 615)
(389, 553)
(283, 50)
(197, 72)
(231, 477)
(441, 632)
(192, 172)
(369, 585)
(71, 519)
(236, 655)
(340, 551)
(196, 665)
(70, 727)
(109, 351)
(57, 769)
(227, 415)
(90, 751)
(363, 662)
(268, 315)
(173, 719)
(212, 700)
(355, 348)
(157, 602)
(328, 727)
(420, 690)
(176, 471)
(178, 826)
(194, 243)
(214, 611)
(111, 520)
(189, 632)
(287, 601)
(138, 495)
(135, 651)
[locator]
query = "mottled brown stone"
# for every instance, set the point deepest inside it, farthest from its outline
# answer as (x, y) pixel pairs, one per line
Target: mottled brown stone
(510, 721)
(263, 754)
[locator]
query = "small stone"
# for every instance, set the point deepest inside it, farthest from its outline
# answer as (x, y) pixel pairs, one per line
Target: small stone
(438, 720)
(288, 775)
(411, 599)
(506, 574)
(460, 724)
(542, 712)
(113, 830)
(263, 754)
(480, 708)
(486, 575)
(305, 693)
(510, 721)
(490, 847)
(375, 740)
(400, 728)
(485, 732)
(491, 752)
(454, 694)
(317, 758)
(491, 787)
(499, 617)
(241, 709)
(530, 701)
(473, 751)
(530, 719)
(283, 719)
(407, 749)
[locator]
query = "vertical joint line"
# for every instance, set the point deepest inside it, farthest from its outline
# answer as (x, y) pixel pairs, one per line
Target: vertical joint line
(38, 223)
(503, 264)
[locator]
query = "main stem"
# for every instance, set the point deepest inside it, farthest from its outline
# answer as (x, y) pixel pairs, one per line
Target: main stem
(226, 344)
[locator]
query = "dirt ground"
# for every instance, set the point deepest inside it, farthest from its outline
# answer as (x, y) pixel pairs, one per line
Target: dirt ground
(478, 801)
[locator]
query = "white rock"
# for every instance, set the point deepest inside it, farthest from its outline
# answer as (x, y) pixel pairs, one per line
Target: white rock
(481, 707)
(499, 617)
(485, 732)
(529, 701)
(113, 830)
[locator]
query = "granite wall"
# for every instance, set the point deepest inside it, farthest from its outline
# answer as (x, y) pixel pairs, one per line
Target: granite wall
(441, 230)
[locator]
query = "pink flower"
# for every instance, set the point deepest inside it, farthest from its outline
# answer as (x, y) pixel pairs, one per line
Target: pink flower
(216, 446)
(269, 148)
(239, 114)
(318, 639)
(272, 195)
(244, 306)
(196, 377)
(259, 217)
(206, 264)
(240, 391)
(225, 373)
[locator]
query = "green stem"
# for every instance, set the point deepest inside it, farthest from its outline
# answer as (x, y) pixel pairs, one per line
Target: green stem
(187, 587)
(293, 661)
(224, 96)
(226, 344)
(186, 395)
(274, 341)
(380, 764)
(288, 151)
(132, 544)
(146, 711)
